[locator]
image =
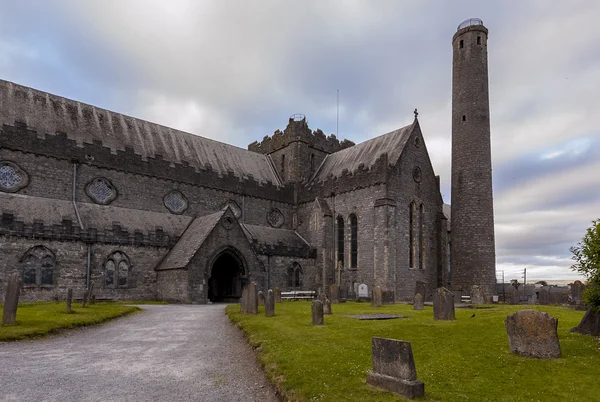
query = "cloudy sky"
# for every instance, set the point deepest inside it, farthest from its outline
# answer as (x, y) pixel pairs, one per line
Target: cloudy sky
(236, 70)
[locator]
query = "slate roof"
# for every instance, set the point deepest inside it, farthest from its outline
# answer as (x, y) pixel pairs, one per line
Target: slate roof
(273, 237)
(365, 153)
(190, 241)
(51, 211)
(84, 123)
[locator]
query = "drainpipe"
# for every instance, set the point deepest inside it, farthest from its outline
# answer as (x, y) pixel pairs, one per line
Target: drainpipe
(89, 245)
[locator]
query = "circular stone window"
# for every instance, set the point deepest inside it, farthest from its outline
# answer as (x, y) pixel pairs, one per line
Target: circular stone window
(417, 175)
(175, 202)
(101, 191)
(275, 218)
(12, 177)
(237, 211)
(227, 222)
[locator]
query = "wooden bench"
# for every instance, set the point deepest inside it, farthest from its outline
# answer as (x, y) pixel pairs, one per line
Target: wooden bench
(299, 295)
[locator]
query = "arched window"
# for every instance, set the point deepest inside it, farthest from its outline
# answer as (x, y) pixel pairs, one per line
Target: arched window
(340, 241)
(295, 276)
(412, 211)
(421, 237)
(116, 270)
(353, 241)
(38, 266)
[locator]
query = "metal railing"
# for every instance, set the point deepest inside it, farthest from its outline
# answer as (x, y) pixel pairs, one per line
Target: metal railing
(469, 22)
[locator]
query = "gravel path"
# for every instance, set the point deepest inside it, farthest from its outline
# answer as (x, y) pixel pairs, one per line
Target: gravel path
(166, 353)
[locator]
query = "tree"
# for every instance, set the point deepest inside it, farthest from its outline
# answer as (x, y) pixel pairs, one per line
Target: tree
(587, 262)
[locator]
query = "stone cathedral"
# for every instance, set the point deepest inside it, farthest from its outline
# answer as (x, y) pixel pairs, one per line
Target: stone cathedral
(142, 211)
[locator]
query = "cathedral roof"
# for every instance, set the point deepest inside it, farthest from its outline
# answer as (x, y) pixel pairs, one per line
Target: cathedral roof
(49, 114)
(270, 236)
(365, 153)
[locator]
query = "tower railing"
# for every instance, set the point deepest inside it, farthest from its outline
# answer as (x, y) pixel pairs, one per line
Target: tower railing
(469, 22)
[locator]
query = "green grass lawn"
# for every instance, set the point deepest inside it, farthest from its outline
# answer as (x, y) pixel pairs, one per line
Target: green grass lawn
(37, 319)
(466, 359)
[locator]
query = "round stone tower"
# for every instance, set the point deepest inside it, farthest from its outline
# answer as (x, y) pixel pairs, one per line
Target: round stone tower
(473, 251)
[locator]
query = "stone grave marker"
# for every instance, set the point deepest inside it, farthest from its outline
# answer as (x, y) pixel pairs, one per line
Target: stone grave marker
(277, 295)
(343, 295)
(577, 289)
(533, 333)
(270, 304)
(589, 325)
(377, 299)
(443, 304)
(261, 298)
(515, 297)
(363, 291)
(394, 368)
(334, 294)
(532, 299)
(418, 302)
(326, 306)
(252, 306)
(317, 312)
(477, 296)
(69, 300)
(11, 299)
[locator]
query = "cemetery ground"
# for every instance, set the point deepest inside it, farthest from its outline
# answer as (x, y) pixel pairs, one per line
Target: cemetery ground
(465, 359)
(43, 318)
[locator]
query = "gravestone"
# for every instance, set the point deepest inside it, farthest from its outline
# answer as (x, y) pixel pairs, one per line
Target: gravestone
(420, 288)
(326, 306)
(556, 298)
(343, 295)
(543, 296)
(589, 325)
(270, 304)
(577, 289)
(11, 299)
(394, 368)
(443, 304)
(334, 294)
(477, 296)
(261, 298)
(277, 295)
(377, 299)
(515, 297)
(363, 291)
(533, 333)
(69, 300)
(244, 300)
(418, 302)
(252, 306)
(317, 312)
(532, 299)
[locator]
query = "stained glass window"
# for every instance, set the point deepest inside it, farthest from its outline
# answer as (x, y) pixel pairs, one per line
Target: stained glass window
(116, 270)
(175, 202)
(12, 178)
(101, 191)
(38, 266)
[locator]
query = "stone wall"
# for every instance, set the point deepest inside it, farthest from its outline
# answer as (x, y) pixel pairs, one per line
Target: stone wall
(172, 286)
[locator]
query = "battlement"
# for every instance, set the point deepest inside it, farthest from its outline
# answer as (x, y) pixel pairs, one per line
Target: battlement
(298, 130)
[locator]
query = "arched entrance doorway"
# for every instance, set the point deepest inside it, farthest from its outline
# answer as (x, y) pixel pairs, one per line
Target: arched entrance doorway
(225, 282)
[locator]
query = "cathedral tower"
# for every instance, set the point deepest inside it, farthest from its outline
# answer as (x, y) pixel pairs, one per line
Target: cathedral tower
(473, 251)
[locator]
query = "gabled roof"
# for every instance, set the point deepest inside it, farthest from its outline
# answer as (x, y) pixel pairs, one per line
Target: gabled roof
(365, 153)
(83, 123)
(190, 241)
(270, 236)
(323, 206)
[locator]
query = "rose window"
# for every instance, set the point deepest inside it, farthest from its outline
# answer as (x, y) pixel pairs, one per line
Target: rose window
(11, 177)
(175, 202)
(101, 191)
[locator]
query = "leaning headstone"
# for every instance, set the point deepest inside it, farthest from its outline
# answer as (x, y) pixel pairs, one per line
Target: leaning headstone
(543, 296)
(577, 289)
(590, 324)
(261, 298)
(326, 306)
(443, 304)
(377, 299)
(317, 312)
(394, 368)
(363, 291)
(334, 294)
(477, 296)
(69, 300)
(252, 306)
(244, 300)
(270, 304)
(418, 302)
(277, 295)
(533, 333)
(11, 299)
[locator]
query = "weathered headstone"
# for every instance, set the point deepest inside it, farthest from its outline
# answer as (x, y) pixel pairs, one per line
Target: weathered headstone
(11, 299)
(317, 312)
(261, 298)
(590, 324)
(515, 297)
(418, 302)
(477, 296)
(69, 300)
(577, 289)
(334, 294)
(377, 299)
(244, 300)
(533, 333)
(363, 291)
(543, 296)
(443, 304)
(343, 295)
(326, 306)
(277, 295)
(252, 306)
(270, 304)
(394, 368)
(420, 288)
